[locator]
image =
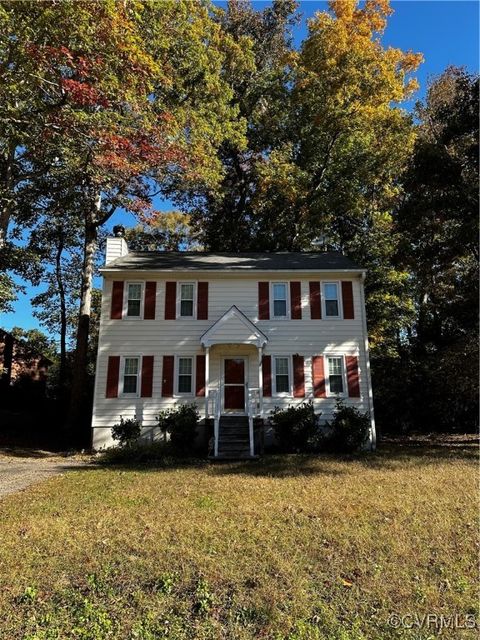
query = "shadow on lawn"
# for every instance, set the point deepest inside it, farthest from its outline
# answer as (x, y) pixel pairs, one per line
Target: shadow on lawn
(390, 456)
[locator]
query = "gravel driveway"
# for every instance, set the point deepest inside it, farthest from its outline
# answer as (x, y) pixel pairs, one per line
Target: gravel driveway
(20, 469)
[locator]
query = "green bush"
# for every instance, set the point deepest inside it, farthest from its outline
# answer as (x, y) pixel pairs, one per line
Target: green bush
(349, 429)
(180, 424)
(158, 452)
(126, 431)
(296, 428)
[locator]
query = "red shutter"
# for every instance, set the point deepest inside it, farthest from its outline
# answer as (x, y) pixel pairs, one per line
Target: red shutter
(147, 376)
(263, 301)
(352, 376)
(315, 301)
(347, 300)
(295, 300)
(267, 376)
(116, 310)
(113, 372)
(167, 376)
(200, 376)
(202, 301)
(318, 377)
(150, 300)
(298, 377)
(170, 300)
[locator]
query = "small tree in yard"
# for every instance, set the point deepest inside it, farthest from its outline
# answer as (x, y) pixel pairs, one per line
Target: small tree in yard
(180, 423)
(295, 427)
(126, 431)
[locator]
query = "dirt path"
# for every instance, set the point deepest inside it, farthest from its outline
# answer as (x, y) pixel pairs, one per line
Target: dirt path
(21, 468)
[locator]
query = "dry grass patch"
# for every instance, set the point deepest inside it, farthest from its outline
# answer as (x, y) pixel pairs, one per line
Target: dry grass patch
(297, 547)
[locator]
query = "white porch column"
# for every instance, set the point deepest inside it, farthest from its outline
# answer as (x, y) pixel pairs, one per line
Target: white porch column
(207, 378)
(260, 380)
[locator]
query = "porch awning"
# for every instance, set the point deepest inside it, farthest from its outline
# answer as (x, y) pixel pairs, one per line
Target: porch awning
(233, 328)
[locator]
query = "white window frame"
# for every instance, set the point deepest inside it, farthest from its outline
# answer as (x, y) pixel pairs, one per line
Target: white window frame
(185, 394)
(123, 359)
(282, 394)
(179, 299)
(287, 301)
(142, 300)
(344, 394)
(339, 300)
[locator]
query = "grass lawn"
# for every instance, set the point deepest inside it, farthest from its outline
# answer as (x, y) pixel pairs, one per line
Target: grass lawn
(297, 547)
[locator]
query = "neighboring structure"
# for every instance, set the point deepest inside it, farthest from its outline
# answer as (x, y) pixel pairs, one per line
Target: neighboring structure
(237, 334)
(18, 359)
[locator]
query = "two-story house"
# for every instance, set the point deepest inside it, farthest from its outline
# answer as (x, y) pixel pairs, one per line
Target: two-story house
(237, 334)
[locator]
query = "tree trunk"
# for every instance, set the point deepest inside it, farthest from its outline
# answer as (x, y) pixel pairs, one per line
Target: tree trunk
(78, 390)
(63, 310)
(6, 188)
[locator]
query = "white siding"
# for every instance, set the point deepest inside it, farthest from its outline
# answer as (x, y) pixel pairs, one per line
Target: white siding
(161, 337)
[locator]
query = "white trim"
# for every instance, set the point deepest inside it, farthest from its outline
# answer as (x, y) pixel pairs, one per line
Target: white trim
(179, 300)
(125, 315)
(373, 432)
(329, 394)
(287, 300)
(282, 394)
(220, 272)
(208, 338)
(123, 358)
(176, 392)
(338, 283)
(245, 384)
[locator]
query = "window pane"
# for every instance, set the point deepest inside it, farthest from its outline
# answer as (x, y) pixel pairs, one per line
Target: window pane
(335, 366)
(184, 384)
(185, 366)
(134, 291)
(279, 308)
(133, 308)
(186, 292)
(331, 291)
(336, 384)
(279, 292)
(186, 308)
(282, 384)
(281, 366)
(130, 384)
(331, 307)
(131, 366)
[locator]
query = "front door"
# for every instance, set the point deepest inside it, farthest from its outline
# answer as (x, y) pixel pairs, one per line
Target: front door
(234, 385)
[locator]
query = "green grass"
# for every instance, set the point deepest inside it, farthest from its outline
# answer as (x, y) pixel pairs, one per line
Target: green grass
(297, 547)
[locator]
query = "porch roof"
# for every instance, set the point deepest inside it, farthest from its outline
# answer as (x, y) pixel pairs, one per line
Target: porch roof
(233, 328)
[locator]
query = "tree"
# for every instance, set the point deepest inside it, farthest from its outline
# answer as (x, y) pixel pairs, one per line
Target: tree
(261, 94)
(163, 231)
(136, 105)
(439, 226)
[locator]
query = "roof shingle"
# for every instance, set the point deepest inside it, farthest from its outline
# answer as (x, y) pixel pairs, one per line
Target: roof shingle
(200, 261)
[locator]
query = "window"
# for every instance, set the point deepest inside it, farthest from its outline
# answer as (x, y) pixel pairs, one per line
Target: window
(185, 368)
(279, 300)
(335, 375)
(134, 299)
(186, 300)
(282, 377)
(130, 376)
(330, 295)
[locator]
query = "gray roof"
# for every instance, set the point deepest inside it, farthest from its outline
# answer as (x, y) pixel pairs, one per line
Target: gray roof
(200, 261)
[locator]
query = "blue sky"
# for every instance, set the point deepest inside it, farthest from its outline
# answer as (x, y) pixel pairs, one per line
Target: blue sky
(446, 32)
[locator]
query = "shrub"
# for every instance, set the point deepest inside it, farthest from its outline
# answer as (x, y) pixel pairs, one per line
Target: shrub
(348, 430)
(295, 427)
(126, 431)
(180, 423)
